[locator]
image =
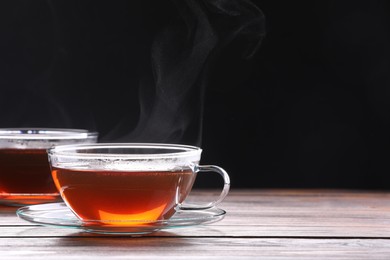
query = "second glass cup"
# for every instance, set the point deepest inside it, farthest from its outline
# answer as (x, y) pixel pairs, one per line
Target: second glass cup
(24, 167)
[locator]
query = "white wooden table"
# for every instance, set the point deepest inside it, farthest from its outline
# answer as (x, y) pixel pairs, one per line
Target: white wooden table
(260, 224)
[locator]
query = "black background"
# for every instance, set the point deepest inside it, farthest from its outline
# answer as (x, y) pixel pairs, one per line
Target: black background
(310, 108)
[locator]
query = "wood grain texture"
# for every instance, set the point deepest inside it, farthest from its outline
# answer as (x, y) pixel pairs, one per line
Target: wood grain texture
(288, 213)
(193, 248)
(260, 224)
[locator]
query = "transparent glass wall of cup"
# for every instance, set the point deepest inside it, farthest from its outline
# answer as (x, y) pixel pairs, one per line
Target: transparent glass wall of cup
(128, 184)
(24, 166)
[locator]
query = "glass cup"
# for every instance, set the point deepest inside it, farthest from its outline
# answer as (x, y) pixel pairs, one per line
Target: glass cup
(24, 167)
(128, 184)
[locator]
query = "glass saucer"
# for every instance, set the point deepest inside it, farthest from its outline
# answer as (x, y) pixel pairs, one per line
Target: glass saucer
(59, 215)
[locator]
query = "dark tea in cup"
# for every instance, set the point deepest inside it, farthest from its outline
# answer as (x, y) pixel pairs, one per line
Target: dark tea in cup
(24, 171)
(24, 167)
(127, 184)
(123, 196)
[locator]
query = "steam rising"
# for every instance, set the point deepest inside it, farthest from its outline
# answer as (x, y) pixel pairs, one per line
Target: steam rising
(75, 64)
(182, 56)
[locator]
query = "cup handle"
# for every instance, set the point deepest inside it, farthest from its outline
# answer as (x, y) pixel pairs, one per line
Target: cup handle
(225, 190)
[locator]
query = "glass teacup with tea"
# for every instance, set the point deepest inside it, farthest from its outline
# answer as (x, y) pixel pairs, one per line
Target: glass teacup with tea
(24, 167)
(128, 184)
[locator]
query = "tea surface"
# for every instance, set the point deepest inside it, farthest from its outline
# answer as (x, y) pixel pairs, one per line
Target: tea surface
(123, 198)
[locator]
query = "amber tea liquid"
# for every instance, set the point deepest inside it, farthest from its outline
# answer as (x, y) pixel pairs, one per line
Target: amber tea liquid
(25, 172)
(123, 198)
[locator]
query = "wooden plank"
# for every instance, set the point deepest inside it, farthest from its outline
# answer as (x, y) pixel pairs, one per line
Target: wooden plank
(192, 248)
(276, 213)
(8, 217)
(250, 231)
(263, 224)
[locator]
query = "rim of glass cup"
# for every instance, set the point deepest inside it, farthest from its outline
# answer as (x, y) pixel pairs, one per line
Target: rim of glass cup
(36, 133)
(70, 151)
